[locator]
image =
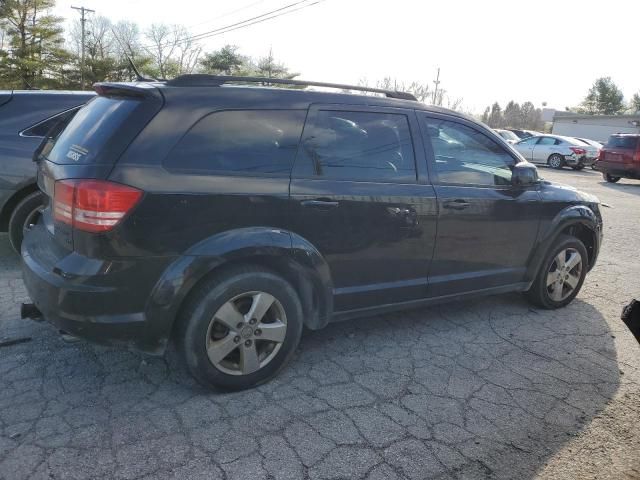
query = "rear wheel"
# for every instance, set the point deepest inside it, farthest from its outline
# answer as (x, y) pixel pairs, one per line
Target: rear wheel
(610, 178)
(556, 161)
(561, 274)
(240, 328)
(24, 215)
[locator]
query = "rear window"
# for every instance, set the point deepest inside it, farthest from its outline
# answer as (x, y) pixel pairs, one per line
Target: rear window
(240, 141)
(622, 142)
(89, 130)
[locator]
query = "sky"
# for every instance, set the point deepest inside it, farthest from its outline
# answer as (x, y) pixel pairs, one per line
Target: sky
(492, 50)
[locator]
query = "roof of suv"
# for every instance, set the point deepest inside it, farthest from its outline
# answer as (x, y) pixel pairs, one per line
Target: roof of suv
(255, 88)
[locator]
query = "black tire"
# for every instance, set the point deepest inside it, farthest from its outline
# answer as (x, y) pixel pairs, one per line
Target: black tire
(578, 167)
(539, 293)
(25, 213)
(556, 161)
(610, 178)
(198, 314)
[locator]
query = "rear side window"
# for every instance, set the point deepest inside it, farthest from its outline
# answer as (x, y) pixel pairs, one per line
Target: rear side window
(240, 141)
(622, 142)
(42, 128)
(361, 146)
(548, 141)
(89, 130)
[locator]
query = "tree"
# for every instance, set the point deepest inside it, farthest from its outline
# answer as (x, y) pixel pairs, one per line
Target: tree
(512, 115)
(173, 50)
(604, 98)
(227, 60)
(635, 103)
(268, 67)
(485, 115)
(34, 55)
(495, 117)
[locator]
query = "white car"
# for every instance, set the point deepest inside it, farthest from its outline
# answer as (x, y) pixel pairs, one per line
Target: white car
(557, 151)
(507, 135)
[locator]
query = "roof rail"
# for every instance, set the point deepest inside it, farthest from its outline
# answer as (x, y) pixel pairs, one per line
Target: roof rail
(204, 80)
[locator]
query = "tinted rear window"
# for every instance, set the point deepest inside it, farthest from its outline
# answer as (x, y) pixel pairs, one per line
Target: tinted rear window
(89, 130)
(622, 142)
(240, 141)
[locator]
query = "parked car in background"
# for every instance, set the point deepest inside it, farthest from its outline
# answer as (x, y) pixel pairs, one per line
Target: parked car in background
(507, 135)
(226, 218)
(557, 151)
(593, 143)
(521, 134)
(25, 117)
(620, 157)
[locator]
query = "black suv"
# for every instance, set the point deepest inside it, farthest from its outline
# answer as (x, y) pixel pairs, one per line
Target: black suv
(25, 118)
(227, 216)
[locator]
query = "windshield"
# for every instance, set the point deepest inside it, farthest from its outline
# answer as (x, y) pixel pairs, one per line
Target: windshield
(89, 131)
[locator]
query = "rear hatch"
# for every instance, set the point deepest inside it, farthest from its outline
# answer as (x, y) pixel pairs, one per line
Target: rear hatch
(621, 149)
(77, 158)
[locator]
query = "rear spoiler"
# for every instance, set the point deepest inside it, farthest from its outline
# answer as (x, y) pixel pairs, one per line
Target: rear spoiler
(131, 90)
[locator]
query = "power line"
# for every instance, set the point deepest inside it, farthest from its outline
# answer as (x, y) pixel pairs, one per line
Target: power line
(226, 14)
(82, 22)
(279, 12)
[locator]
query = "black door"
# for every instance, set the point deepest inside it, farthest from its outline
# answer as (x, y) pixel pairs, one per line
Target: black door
(486, 226)
(361, 196)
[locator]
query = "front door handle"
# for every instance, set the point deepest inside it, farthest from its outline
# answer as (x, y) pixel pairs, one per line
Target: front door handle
(458, 204)
(320, 204)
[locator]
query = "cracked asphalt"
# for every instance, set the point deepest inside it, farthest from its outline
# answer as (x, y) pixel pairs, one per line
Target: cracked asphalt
(491, 388)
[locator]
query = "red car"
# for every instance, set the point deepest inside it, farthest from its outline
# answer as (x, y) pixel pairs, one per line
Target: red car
(620, 157)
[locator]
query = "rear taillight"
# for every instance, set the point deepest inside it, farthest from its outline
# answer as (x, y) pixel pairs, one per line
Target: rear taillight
(578, 150)
(93, 205)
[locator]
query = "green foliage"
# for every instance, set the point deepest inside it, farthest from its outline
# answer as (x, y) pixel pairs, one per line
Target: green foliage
(604, 98)
(635, 103)
(34, 56)
(525, 116)
(225, 61)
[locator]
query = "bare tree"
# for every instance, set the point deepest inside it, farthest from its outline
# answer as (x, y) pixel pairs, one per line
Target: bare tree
(173, 49)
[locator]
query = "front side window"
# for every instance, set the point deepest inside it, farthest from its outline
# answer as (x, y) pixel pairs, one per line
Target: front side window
(361, 146)
(240, 141)
(528, 141)
(464, 155)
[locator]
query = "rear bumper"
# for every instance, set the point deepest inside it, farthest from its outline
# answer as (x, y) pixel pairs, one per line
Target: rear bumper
(617, 169)
(103, 301)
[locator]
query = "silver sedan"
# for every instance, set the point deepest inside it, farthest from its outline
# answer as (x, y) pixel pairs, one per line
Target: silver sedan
(557, 151)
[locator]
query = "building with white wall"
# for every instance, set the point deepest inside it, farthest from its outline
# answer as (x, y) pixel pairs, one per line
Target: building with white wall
(594, 127)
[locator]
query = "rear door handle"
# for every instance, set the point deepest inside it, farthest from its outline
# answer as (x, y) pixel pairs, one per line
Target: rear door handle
(321, 204)
(457, 204)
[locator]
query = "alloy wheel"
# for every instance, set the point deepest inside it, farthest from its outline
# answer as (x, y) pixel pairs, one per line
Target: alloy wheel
(564, 274)
(555, 161)
(246, 333)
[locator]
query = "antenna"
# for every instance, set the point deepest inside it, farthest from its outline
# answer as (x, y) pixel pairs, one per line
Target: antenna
(139, 76)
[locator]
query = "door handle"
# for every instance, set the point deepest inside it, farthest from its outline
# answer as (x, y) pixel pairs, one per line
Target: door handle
(321, 204)
(457, 204)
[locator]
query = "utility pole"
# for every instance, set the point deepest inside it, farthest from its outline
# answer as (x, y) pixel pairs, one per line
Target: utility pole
(83, 19)
(437, 82)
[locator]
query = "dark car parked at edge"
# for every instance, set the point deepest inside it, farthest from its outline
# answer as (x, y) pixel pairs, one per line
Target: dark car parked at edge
(227, 217)
(25, 118)
(620, 157)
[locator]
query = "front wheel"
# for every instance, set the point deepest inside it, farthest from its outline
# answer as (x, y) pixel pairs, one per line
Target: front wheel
(556, 161)
(561, 274)
(610, 178)
(241, 328)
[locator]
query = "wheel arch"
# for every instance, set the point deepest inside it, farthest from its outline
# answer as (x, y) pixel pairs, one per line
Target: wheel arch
(578, 221)
(13, 201)
(280, 251)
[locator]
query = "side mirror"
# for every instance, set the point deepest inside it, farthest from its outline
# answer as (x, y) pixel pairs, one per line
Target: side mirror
(523, 174)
